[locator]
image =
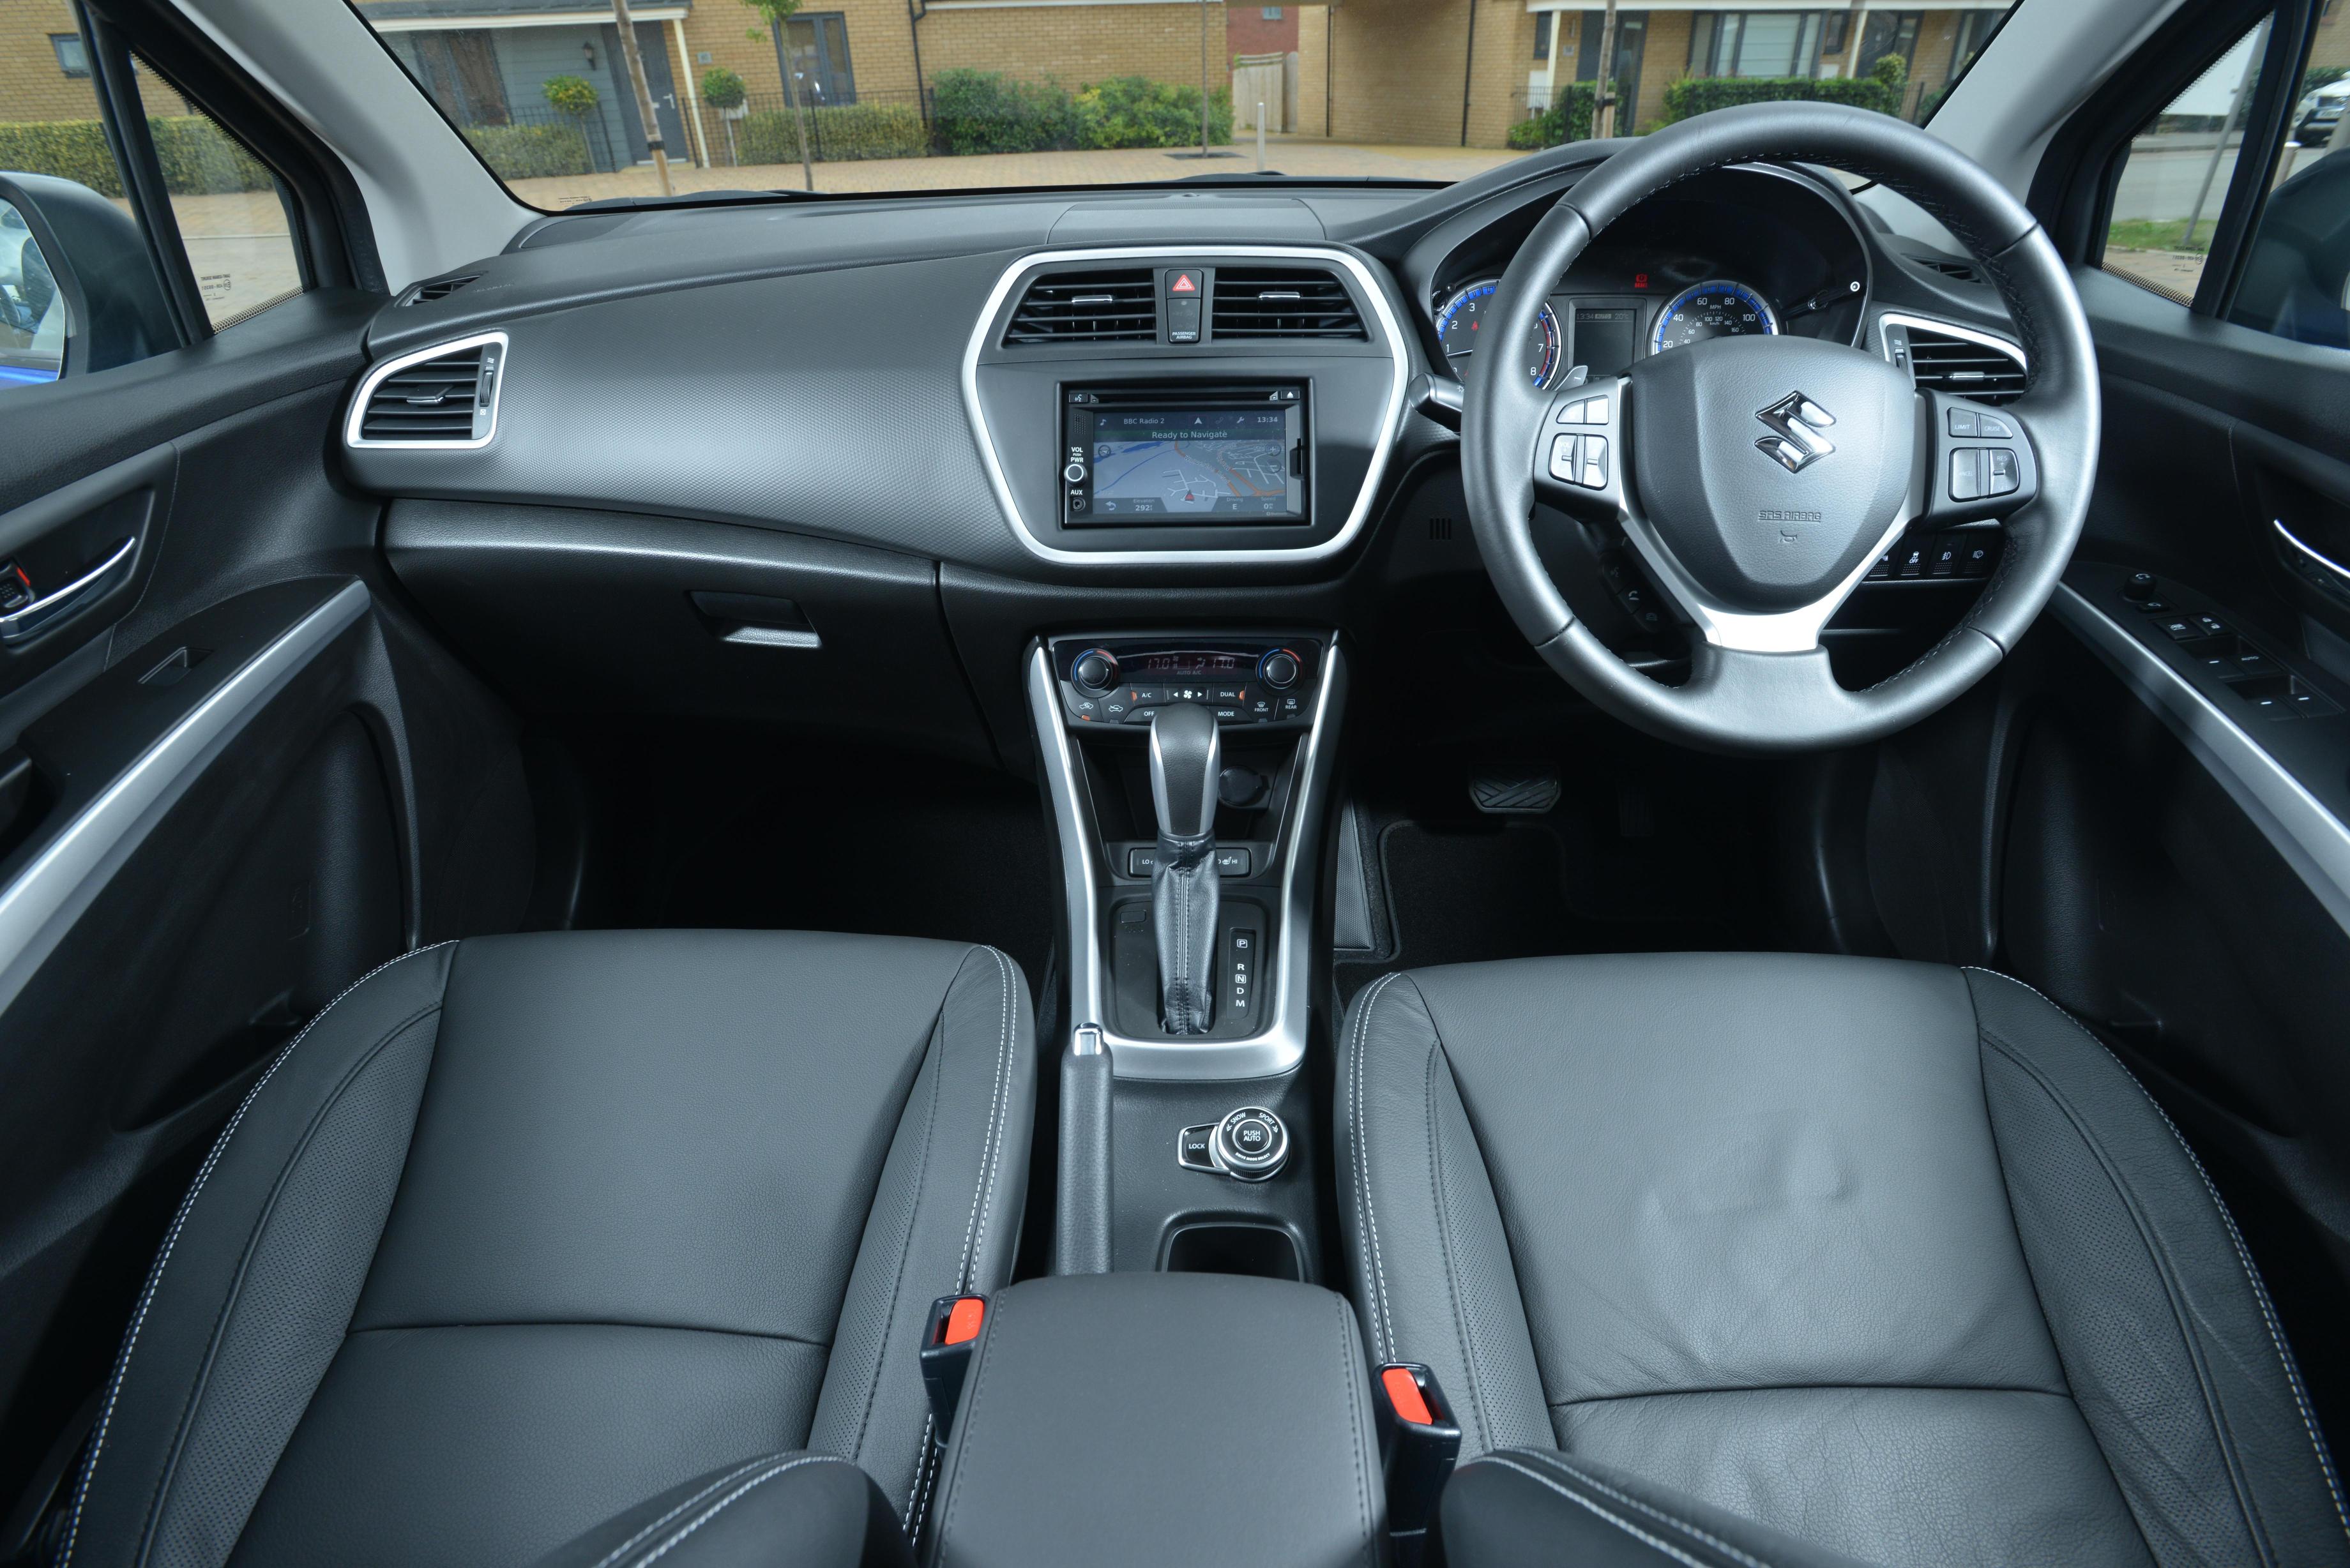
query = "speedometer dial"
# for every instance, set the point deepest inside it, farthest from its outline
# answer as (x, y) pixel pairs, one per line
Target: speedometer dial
(1716, 308)
(1458, 324)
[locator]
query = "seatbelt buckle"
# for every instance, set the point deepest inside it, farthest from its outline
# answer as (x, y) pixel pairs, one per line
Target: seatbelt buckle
(1419, 1441)
(954, 1332)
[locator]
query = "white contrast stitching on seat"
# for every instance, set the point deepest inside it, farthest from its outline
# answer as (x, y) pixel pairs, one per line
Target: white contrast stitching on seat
(925, 1471)
(633, 1541)
(2243, 1253)
(732, 1497)
(1625, 1525)
(171, 1237)
(991, 1151)
(1596, 1484)
(1366, 1219)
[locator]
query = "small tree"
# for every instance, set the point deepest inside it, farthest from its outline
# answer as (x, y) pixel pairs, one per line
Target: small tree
(778, 14)
(722, 89)
(574, 96)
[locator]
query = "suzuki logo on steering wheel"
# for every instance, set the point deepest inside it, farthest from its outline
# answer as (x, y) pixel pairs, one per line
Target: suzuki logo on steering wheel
(1795, 422)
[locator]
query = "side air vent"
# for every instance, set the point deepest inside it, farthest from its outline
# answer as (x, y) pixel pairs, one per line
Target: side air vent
(1282, 302)
(1959, 365)
(442, 397)
(1088, 307)
(1949, 267)
(438, 289)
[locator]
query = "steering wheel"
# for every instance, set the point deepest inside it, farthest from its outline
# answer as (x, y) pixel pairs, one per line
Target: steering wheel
(1758, 478)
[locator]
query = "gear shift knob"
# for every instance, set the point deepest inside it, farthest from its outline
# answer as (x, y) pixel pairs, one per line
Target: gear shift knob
(1185, 759)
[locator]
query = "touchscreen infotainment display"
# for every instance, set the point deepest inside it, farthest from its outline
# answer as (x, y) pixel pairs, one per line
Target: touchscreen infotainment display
(1167, 464)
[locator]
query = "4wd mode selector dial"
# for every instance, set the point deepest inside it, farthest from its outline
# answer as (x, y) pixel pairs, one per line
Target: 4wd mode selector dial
(1252, 1144)
(1096, 671)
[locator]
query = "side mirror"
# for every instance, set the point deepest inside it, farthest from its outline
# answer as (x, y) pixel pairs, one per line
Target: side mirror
(78, 285)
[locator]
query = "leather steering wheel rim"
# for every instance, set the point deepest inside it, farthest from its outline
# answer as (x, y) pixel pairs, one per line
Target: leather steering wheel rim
(1740, 698)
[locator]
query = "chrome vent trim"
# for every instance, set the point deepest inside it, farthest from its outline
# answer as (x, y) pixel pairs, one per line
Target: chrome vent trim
(1258, 304)
(442, 398)
(1119, 307)
(1948, 357)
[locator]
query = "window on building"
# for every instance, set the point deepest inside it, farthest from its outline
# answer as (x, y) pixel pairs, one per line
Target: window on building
(1756, 43)
(1271, 13)
(1888, 33)
(1836, 33)
(73, 56)
(459, 70)
(1542, 20)
(230, 209)
(821, 72)
(1974, 30)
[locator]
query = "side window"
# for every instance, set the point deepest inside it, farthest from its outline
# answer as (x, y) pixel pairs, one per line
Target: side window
(2177, 170)
(97, 269)
(228, 207)
(2296, 280)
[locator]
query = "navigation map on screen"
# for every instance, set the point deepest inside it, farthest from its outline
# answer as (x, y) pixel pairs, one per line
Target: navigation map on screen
(1193, 460)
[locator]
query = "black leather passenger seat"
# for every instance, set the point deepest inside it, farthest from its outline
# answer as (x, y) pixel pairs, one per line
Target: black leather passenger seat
(524, 1231)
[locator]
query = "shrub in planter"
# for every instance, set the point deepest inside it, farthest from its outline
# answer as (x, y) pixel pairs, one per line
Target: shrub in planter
(723, 89)
(1135, 111)
(532, 151)
(987, 111)
(573, 96)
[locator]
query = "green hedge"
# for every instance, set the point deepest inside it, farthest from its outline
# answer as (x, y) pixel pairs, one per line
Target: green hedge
(987, 111)
(1135, 111)
(1881, 90)
(533, 151)
(840, 134)
(197, 158)
(1568, 118)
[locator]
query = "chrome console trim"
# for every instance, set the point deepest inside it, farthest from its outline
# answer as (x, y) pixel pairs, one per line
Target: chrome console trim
(42, 901)
(1280, 1046)
(1398, 355)
(2312, 840)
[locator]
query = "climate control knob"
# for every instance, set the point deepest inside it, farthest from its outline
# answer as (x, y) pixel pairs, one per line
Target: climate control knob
(1096, 671)
(1278, 670)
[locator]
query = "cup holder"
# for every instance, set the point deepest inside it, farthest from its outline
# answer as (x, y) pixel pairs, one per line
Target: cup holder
(1262, 1251)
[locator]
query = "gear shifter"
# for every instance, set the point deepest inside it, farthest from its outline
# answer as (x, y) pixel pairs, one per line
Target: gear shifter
(1184, 762)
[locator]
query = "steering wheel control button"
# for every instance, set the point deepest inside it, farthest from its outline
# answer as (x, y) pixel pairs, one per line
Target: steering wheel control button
(1594, 462)
(1966, 474)
(1195, 1147)
(2000, 478)
(1585, 411)
(1252, 1144)
(1993, 428)
(1964, 423)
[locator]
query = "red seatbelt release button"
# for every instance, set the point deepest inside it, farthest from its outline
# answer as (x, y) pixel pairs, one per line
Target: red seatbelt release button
(947, 1345)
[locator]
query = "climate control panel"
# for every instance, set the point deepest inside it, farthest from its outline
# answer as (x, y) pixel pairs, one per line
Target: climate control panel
(1121, 681)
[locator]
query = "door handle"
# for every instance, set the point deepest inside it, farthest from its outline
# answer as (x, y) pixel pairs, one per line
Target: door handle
(53, 606)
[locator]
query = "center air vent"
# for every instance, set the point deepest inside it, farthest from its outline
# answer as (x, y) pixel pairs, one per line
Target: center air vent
(438, 289)
(1949, 267)
(1282, 302)
(445, 397)
(1943, 363)
(1088, 307)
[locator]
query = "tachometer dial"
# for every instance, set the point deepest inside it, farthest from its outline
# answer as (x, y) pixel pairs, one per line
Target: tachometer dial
(1716, 308)
(1458, 323)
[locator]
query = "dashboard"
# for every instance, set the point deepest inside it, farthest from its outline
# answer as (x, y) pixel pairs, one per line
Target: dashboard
(842, 459)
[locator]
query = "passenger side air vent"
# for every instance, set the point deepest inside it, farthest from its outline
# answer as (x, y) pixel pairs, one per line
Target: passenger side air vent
(1282, 302)
(1969, 370)
(438, 289)
(1088, 307)
(443, 397)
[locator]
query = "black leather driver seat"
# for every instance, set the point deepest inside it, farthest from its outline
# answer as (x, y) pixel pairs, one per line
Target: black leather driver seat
(523, 1231)
(1891, 1257)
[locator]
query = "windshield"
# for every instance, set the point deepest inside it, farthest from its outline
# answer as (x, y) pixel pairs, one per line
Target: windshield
(589, 101)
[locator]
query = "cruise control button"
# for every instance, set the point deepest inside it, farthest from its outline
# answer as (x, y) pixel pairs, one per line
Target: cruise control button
(2000, 478)
(1966, 474)
(1995, 429)
(1562, 457)
(1962, 422)
(1594, 462)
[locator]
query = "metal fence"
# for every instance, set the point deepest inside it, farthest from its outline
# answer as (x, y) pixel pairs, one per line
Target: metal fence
(763, 128)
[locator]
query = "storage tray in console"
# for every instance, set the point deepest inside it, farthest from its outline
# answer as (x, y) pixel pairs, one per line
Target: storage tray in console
(1171, 1419)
